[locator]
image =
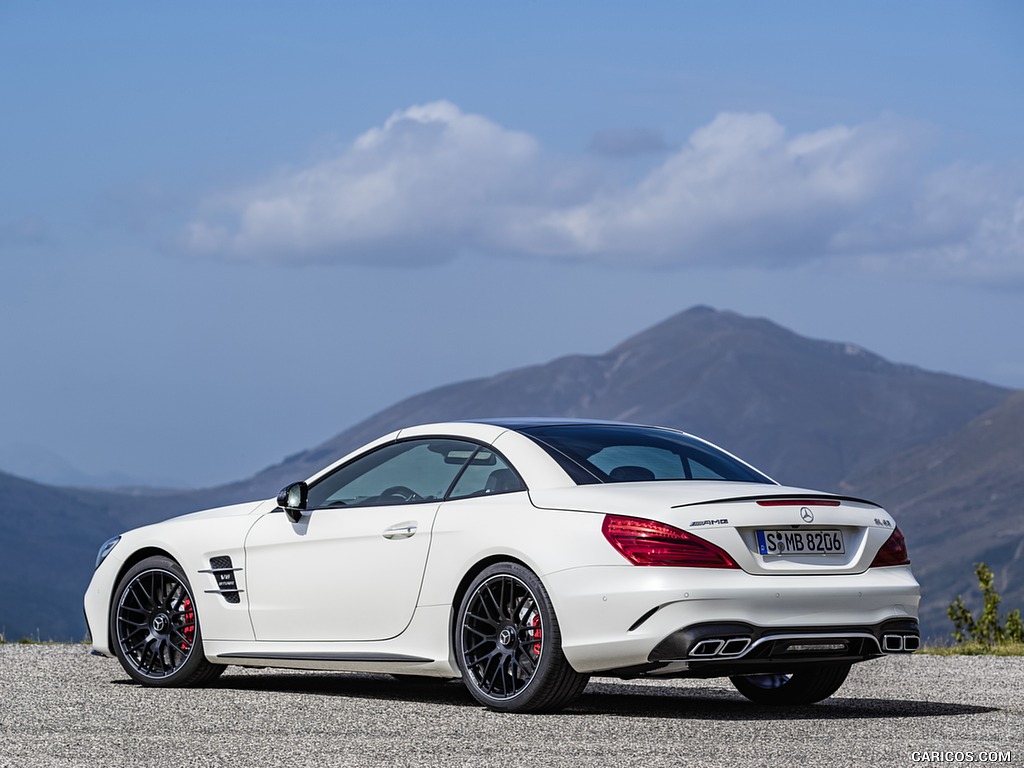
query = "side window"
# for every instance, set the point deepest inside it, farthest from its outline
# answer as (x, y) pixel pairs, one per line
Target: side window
(485, 475)
(399, 473)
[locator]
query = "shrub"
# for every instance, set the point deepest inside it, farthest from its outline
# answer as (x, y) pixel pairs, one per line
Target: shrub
(986, 630)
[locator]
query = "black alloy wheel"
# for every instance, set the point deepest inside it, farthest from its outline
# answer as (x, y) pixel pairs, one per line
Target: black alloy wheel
(155, 627)
(803, 686)
(508, 644)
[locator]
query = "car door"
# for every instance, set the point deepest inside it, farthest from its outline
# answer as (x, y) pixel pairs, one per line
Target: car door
(352, 567)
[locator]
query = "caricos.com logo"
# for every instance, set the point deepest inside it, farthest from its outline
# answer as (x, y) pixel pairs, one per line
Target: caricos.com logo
(959, 756)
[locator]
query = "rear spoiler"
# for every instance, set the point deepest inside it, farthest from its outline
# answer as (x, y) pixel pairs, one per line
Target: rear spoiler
(795, 498)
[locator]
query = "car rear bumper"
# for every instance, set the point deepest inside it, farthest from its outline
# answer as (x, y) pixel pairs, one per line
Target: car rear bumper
(714, 650)
(614, 618)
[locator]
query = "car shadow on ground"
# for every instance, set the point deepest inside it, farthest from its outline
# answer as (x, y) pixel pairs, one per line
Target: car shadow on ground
(602, 697)
(613, 698)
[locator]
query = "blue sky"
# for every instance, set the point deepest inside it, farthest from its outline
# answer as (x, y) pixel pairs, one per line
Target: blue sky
(229, 231)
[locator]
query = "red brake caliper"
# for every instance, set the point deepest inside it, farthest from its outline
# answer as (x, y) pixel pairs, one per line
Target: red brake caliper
(189, 628)
(535, 623)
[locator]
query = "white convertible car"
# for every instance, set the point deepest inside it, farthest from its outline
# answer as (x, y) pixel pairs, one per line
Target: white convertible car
(523, 556)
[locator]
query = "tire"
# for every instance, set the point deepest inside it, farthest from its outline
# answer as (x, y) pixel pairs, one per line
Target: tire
(155, 628)
(508, 644)
(805, 686)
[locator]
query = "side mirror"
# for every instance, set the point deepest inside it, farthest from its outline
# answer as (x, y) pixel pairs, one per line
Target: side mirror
(292, 499)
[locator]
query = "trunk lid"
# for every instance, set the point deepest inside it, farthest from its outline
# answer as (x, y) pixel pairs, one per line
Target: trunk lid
(766, 529)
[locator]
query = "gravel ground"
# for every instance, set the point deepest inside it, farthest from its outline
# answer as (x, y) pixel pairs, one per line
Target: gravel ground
(59, 706)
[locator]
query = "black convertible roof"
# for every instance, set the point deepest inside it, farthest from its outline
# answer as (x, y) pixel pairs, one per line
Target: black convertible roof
(518, 423)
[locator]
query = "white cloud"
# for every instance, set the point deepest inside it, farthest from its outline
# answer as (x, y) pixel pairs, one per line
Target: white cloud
(433, 181)
(959, 222)
(424, 185)
(739, 190)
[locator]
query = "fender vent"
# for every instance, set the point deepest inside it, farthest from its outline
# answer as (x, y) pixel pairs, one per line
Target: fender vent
(224, 573)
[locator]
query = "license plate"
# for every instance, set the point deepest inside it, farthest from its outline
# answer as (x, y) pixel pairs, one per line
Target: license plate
(826, 542)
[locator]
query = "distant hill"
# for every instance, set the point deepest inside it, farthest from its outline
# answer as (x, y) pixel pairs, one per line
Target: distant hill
(960, 501)
(43, 465)
(815, 413)
(807, 412)
(47, 551)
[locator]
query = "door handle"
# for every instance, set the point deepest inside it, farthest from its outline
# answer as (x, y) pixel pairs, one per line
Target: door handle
(400, 530)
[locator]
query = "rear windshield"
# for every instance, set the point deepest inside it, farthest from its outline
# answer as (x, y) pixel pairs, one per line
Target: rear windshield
(623, 454)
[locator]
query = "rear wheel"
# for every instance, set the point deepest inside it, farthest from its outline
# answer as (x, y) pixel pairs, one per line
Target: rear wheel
(508, 644)
(155, 627)
(805, 686)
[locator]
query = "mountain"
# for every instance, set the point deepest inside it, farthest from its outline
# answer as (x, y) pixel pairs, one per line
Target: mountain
(807, 412)
(50, 538)
(814, 413)
(960, 501)
(42, 465)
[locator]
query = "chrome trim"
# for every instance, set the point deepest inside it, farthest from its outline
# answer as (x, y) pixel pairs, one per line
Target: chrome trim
(892, 643)
(401, 530)
(223, 591)
(715, 646)
(900, 643)
(823, 636)
(719, 653)
(725, 649)
(338, 656)
(219, 570)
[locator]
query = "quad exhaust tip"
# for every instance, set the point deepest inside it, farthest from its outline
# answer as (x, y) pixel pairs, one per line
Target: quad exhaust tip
(722, 647)
(900, 643)
(734, 647)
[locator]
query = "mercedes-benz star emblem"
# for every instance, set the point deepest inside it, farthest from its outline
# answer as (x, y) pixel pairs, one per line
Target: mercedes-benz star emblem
(160, 623)
(806, 514)
(507, 636)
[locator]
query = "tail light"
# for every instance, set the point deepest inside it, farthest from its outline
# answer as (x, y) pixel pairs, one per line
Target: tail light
(893, 552)
(646, 542)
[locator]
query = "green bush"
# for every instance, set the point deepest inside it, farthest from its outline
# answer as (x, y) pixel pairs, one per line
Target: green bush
(988, 629)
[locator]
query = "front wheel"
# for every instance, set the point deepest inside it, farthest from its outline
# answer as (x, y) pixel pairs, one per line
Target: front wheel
(804, 686)
(155, 627)
(508, 644)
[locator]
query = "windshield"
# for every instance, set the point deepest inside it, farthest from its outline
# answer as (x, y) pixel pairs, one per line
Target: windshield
(599, 453)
